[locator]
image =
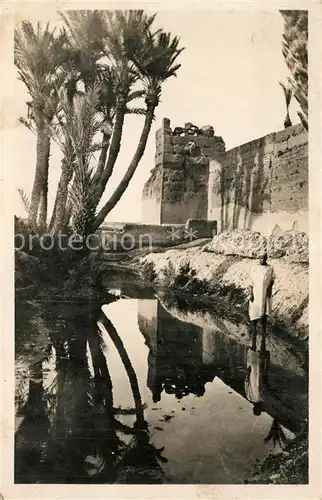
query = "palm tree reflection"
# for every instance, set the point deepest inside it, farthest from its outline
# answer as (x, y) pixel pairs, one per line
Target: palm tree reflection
(71, 432)
(277, 437)
(32, 435)
(117, 341)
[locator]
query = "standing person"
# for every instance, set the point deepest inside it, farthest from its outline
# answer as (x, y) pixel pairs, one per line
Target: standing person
(262, 278)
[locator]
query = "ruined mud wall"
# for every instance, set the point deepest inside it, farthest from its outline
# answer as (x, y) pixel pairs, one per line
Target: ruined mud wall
(177, 189)
(262, 183)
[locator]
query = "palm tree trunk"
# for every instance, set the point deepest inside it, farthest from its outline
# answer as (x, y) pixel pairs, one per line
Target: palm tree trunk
(117, 341)
(102, 158)
(114, 149)
(43, 207)
(53, 216)
(40, 186)
(119, 191)
(59, 213)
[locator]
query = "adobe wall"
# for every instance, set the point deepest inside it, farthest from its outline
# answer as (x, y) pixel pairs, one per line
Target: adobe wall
(177, 189)
(262, 183)
(128, 236)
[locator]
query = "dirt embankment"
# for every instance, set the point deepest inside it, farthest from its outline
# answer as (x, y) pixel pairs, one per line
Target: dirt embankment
(290, 292)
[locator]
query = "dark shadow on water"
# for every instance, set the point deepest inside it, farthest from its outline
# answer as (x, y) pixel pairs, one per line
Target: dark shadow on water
(69, 429)
(70, 432)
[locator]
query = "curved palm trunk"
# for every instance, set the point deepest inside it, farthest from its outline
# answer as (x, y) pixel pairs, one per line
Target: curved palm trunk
(40, 186)
(119, 191)
(117, 341)
(101, 371)
(114, 150)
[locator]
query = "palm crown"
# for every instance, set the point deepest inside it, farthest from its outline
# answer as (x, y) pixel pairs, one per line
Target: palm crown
(38, 54)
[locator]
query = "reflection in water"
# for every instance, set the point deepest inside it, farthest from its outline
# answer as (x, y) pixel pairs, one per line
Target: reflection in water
(75, 424)
(117, 341)
(76, 438)
(175, 353)
(259, 393)
(183, 352)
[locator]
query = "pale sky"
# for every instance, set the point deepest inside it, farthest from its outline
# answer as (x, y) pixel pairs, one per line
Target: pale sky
(229, 79)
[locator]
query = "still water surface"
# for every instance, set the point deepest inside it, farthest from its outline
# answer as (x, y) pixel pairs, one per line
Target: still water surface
(113, 369)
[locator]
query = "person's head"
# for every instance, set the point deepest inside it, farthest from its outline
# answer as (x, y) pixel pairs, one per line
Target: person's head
(263, 259)
(257, 409)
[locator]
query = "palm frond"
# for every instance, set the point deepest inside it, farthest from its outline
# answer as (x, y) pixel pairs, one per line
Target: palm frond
(39, 53)
(136, 94)
(27, 123)
(303, 119)
(24, 198)
(135, 111)
(288, 92)
(295, 52)
(87, 30)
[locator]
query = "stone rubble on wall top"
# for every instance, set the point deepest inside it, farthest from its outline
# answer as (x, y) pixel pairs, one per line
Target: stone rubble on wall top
(188, 129)
(245, 243)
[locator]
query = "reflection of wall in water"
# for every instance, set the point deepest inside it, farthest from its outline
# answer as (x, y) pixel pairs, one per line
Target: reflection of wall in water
(208, 351)
(221, 351)
(173, 344)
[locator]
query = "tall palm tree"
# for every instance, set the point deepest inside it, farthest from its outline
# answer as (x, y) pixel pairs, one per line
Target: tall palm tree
(288, 92)
(107, 108)
(294, 48)
(78, 145)
(154, 56)
(125, 29)
(38, 55)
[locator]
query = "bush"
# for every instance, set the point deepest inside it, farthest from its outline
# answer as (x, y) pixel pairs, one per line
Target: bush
(184, 279)
(169, 275)
(148, 271)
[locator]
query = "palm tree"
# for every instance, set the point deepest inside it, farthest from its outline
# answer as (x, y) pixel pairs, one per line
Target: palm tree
(87, 30)
(154, 57)
(294, 48)
(288, 92)
(107, 108)
(38, 55)
(76, 136)
(90, 32)
(125, 29)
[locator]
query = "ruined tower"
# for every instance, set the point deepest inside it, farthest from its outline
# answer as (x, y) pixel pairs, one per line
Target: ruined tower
(177, 189)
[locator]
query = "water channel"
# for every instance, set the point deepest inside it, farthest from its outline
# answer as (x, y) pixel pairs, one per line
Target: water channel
(128, 392)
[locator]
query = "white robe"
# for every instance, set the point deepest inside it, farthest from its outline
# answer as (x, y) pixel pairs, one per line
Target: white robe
(260, 279)
(257, 365)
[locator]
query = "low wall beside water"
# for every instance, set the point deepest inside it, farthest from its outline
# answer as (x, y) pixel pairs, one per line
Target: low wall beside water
(130, 235)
